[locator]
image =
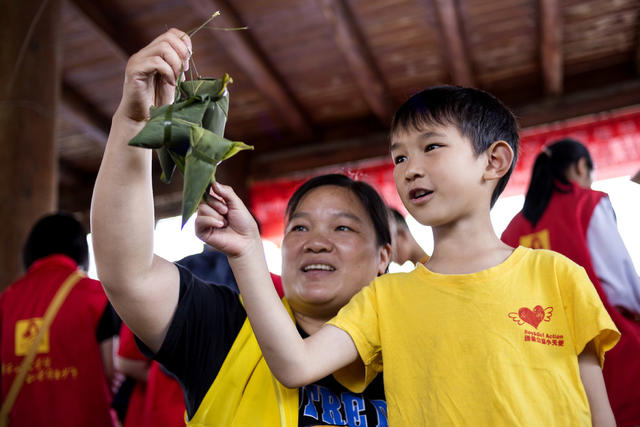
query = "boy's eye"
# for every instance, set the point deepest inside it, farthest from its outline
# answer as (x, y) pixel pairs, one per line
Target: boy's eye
(298, 228)
(399, 159)
(431, 147)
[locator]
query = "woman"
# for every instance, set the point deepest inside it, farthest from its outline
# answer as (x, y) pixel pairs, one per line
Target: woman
(560, 204)
(336, 241)
(563, 214)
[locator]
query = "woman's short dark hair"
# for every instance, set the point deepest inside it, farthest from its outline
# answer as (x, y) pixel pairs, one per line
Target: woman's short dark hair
(368, 196)
(58, 233)
(549, 169)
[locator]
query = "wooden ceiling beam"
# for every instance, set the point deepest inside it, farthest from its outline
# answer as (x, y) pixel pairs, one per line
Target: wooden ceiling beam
(278, 163)
(589, 101)
(123, 41)
(241, 46)
(551, 46)
(84, 116)
(454, 43)
(76, 189)
(313, 156)
(353, 46)
(76, 108)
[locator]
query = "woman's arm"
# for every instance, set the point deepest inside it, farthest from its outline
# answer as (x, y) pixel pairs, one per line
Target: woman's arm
(225, 223)
(137, 369)
(143, 288)
(593, 382)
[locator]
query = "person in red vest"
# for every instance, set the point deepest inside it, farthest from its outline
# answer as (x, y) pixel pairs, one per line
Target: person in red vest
(130, 398)
(69, 364)
(562, 213)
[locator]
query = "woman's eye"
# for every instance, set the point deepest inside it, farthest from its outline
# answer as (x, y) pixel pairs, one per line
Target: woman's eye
(298, 228)
(399, 159)
(344, 228)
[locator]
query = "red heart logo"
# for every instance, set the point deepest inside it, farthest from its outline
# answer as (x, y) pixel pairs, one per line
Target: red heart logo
(532, 317)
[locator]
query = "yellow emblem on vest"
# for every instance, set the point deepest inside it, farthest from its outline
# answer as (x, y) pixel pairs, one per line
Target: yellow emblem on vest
(538, 240)
(25, 332)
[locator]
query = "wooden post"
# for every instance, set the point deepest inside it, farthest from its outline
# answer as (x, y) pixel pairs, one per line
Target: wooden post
(30, 58)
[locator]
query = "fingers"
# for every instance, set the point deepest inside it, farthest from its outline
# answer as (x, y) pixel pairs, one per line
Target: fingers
(217, 204)
(208, 218)
(166, 55)
(174, 49)
(226, 193)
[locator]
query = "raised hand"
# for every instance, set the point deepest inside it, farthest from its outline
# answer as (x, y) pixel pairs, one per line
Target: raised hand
(152, 73)
(225, 223)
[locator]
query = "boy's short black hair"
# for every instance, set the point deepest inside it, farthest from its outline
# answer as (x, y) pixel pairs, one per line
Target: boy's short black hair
(58, 233)
(368, 196)
(478, 115)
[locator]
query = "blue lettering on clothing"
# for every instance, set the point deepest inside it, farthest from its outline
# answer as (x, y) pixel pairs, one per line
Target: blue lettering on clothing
(354, 409)
(341, 408)
(313, 394)
(331, 408)
(381, 409)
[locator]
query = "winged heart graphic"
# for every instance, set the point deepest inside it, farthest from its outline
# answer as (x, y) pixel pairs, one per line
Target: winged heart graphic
(532, 317)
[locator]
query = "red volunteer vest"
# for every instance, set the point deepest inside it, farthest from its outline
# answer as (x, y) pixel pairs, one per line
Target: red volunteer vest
(128, 349)
(66, 385)
(164, 404)
(563, 228)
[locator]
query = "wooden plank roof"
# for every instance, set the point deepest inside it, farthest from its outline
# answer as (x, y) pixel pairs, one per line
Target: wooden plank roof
(316, 81)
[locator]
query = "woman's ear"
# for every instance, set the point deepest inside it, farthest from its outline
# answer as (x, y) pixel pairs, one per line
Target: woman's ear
(581, 174)
(499, 158)
(385, 259)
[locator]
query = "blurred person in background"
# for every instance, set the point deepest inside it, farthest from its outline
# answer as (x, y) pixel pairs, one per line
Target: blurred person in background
(562, 213)
(403, 245)
(58, 327)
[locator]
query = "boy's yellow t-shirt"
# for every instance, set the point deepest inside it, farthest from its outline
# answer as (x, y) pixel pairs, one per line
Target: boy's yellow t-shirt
(493, 348)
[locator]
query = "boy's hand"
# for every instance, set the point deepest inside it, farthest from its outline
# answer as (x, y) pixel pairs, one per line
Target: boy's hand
(224, 223)
(152, 73)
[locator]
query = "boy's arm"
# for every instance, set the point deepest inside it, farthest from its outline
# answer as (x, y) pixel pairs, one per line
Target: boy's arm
(593, 382)
(226, 224)
(143, 288)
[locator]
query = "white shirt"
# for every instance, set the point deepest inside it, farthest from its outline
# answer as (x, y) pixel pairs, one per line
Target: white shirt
(611, 261)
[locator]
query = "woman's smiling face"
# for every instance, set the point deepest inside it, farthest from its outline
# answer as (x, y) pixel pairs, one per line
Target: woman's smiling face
(329, 251)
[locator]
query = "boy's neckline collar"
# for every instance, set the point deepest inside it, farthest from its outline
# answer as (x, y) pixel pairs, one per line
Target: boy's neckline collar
(515, 256)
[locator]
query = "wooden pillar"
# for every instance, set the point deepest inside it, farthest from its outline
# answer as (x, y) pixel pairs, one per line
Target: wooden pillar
(30, 58)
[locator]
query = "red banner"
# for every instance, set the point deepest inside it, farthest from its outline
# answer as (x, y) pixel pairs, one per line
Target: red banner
(612, 138)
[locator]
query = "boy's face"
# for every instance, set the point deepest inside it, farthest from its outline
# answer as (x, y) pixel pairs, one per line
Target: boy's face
(438, 176)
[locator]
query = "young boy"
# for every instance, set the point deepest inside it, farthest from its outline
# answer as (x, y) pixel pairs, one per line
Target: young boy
(482, 334)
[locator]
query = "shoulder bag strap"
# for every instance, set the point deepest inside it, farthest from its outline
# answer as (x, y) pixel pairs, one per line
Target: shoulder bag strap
(49, 315)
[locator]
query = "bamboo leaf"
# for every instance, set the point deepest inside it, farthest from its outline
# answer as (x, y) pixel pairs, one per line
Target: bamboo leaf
(166, 163)
(207, 151)
(169, 125)
(188, 135)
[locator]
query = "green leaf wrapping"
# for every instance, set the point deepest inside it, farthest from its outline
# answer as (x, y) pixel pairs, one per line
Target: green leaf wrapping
(188, 134)
(206, 152)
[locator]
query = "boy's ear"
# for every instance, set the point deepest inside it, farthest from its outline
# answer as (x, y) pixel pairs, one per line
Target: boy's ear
(499, 159)
(385, 259)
